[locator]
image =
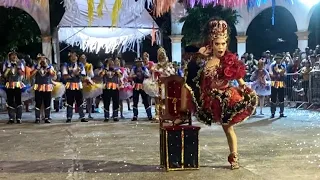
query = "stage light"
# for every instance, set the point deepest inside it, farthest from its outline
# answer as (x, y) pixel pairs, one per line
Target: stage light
(310, 3)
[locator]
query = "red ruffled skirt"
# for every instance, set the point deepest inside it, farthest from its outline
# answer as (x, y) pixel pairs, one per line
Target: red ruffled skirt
(227, 106)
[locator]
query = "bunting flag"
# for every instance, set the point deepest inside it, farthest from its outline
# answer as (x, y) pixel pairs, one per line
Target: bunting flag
(100, 8)
(90, 11)
(115, 12)
(162, 6)
(153, 35)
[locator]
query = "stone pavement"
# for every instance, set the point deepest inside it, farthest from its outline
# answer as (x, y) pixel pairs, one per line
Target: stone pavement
(276, 149)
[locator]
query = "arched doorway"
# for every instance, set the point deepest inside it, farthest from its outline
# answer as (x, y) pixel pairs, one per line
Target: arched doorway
(280, 37)
(40, 13)
(314, 27)
(19, 31)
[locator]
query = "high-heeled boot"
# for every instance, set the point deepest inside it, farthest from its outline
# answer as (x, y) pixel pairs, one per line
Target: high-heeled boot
(233, 160)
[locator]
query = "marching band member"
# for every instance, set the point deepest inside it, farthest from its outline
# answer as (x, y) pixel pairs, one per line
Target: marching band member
(277, 74)
(87, 85)
(13, 72)
(111, 79)
(43, 74)
(73, 73)
(138, 74)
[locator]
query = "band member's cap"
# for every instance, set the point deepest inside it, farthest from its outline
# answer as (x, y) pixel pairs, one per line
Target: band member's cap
(40, 55)
(267, 51)
(138, 60)
(318, 55)
(278, 56)
(12, 53)
(72, 52)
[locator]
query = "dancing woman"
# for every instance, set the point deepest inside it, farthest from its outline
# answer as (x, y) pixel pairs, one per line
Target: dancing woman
(216, 101)
(88, 84)
(261, 83)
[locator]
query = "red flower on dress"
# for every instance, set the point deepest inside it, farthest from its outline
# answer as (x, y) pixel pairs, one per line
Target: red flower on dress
(231, 67)
(228, 72)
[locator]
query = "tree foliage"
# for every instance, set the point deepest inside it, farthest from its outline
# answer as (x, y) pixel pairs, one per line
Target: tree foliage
(20, 32)
(16, 28)
(197, 18)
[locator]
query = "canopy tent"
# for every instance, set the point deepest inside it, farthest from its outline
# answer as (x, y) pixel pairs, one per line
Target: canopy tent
(131, 28)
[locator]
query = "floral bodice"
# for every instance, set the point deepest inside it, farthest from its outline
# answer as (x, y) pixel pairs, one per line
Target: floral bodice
(211, 79)
(219, 76)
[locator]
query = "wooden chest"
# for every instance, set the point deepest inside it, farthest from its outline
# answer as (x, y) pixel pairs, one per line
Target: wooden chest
(179, 147)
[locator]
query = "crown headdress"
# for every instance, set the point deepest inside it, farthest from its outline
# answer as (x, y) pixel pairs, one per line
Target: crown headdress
(161, 51)
(145, 54)
(218, 29)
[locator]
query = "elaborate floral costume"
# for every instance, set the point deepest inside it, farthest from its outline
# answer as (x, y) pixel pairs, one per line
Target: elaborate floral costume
(209, 83)
(261, 82)
(126, 89)
(216, 101)
(163, 68)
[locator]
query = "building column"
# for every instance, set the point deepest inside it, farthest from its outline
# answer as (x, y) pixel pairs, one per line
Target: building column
(303, 37)
(47, 47)
(241, 44)
(176, 47)
(56, 49)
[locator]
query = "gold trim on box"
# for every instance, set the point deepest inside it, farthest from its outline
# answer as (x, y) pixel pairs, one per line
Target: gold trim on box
(166, 165)
(167, 151)
(182, 148)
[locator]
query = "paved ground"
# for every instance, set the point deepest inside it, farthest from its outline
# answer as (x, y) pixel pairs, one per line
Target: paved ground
(276, 149)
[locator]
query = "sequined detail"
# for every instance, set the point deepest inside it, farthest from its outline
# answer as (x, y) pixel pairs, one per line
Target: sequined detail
(277, 84)
(74, 85)
(138, 86)
(43, 87)
(14, 85)
(111, 85)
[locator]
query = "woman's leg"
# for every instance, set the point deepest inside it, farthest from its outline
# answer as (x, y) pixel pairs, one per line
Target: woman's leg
(89, 107)
(233, 145)
(261, 99)
(121, 109)
(128, 103)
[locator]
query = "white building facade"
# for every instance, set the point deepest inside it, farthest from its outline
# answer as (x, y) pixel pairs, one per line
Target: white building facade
(300, 11)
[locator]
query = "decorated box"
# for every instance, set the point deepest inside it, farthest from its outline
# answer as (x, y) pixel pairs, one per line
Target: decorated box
(179, 147)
